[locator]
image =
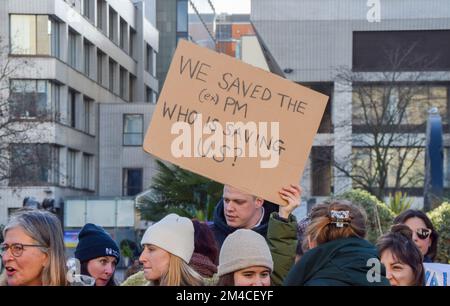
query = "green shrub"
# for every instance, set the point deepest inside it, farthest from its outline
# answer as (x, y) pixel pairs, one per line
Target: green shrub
(399, 202)
(440, 217)
(379, 216)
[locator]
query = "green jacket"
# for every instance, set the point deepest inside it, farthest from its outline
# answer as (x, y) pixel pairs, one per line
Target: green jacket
(282, 241)
(341, 262)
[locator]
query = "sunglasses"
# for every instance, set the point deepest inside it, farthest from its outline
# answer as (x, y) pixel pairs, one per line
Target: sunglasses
(423, 233)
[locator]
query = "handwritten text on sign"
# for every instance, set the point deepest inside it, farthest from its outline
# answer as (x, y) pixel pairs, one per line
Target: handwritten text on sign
(234, 123)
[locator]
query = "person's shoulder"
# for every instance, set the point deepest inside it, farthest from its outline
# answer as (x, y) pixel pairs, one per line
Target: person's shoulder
(3, 280)
(137, 279)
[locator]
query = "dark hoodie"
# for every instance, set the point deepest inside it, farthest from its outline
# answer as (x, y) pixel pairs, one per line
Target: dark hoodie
(221, 229)
(341, 262)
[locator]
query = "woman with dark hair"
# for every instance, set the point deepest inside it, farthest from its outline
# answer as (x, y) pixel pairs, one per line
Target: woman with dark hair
(205, 257)
(423, 232)
(401, 257)
(98, 254)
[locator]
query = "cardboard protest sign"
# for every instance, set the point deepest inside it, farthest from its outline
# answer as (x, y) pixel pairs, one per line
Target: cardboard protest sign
(436, 274)
(234, 123)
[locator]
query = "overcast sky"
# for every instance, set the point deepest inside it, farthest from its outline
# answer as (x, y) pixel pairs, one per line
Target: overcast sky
(232, 6)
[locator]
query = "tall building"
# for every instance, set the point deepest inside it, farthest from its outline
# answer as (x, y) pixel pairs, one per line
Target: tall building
(310, 42)
(71, 57)
(182, 19)
(229, 30)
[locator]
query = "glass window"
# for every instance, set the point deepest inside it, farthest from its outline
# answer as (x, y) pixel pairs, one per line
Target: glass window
(30, 164)
(123, 33)
(71, 167)
(55, 34)
(182, 16)
(123, 73)
(23, 34)
(100, 58)
(101, 7)
(72, 49)
(88, 108)
(112, 74)
(133, 129)
(71, 109)
(87, 58)
(44, 33)
(87, 165)
(33, 34)
(149, 59)
(132, 181)
(30, 98)
(405, 166)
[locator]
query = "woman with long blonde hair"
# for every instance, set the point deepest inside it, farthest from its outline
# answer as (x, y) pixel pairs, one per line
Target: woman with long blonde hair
(168, 248)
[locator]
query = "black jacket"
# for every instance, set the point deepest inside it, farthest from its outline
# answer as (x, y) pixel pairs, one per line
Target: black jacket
(341, 262)
(221, 229)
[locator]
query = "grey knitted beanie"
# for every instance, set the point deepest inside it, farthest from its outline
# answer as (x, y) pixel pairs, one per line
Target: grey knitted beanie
(243, 249)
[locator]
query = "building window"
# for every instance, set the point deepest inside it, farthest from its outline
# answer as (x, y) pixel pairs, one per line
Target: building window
(72, 49)
(149, 95)
(113, 25)
(87, 57)
(86, 180)
(326, 124)
(88, 109)
(55, 37)
(133, 129)
(321, 171)
(71, 108)
(30, 98)
(56, 101)
(395, 105)
(101, 9)
(123, 74)
(182, 16)
(100, 59)
(31, 34)
(112, 74)
(132, 48)
(123, 34)
(401, 50)
(88, 9)
(71, 167)
(405, 167)
(132, 87)
(132, 181)
(33, 164)
(149, 59)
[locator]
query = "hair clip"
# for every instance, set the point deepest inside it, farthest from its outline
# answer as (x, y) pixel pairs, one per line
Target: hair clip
(340, 217)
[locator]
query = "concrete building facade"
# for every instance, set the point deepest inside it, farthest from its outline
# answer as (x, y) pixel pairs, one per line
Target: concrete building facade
(310, 41)
(71, 56)
(182, 19)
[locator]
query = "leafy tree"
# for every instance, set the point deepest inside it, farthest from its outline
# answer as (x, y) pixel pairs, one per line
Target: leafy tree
(176, 190)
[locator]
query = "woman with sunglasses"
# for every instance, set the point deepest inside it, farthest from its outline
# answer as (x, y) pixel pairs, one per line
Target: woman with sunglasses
(33, 250)
(424, 234)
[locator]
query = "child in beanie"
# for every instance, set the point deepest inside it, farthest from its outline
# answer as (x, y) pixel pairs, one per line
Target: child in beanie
(245, 260)
(98, 254)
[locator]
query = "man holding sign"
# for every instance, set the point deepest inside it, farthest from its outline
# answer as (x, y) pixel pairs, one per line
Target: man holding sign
(243, 127)
(234, 123)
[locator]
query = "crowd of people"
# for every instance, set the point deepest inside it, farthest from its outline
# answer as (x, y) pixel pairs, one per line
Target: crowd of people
(250, 242)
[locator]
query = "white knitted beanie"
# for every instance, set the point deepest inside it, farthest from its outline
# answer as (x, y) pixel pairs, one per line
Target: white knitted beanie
(243, 249)
(174, 234)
